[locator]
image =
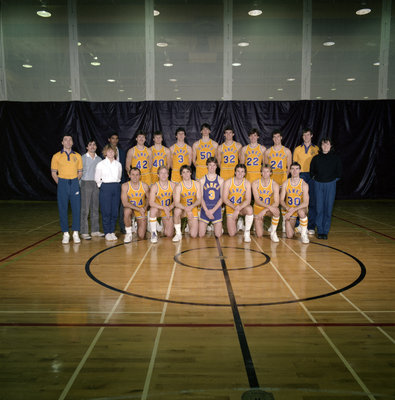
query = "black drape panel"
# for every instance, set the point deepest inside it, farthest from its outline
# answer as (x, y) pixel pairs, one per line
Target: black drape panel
(363, 133)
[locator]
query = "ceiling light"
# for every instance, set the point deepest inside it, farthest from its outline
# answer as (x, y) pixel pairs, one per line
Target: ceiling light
(69, 90)
(236, 64)
(376, 64)
(280, 89)
(176, 90)
(254, 13)
(95, 63)
(271, 97)
(52, 80)
(79, 43)
(329, 43)
(162, 44)
(290, 79)
(243, 44)
(363, 11)
(318, 97)
(156, 13)
(178, 98)
(43, 12)
(121, 90)
(111, 80)
(351, 79)
(173, 80)
(130, 98)
(333, 89)
(167, 64)
(366, 97)
(27, 65)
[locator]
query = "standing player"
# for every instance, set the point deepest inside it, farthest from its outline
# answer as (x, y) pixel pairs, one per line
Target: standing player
(294, 198)
(134, 197)
(266, 196)
(160, 156)
(66, 170)
(202, 150)
(303, 154)
(252, 156)
(140, 157)
(161, 204)
(187, 198)
(237, 198)
(211, 188)
(228, 154)
(181, 154)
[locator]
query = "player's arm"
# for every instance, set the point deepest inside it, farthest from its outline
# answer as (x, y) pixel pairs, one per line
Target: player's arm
(225, 194)
(194, 153)
(189, 149)
(289, 159)
(152, 197)
(128, 161)
(219, 155)
(247, 199)
(124, 196)
(167, 157)
(283, 193)
(276, 195)
(239, 148)
(219, 202)
(242, 156)
(305, 202)
(149, 159)
(257, 200)
(198, 200)
(266, 159)
(203, 203)
(147, 191)
(171, 151)
(54, 174)
(177, 197)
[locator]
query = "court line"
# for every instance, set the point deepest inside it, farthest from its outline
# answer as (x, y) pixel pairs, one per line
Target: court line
(77, 312)
(28, 247)
(362, 216)
(39, 227)
(100, 331)
(158, 335)
(341, 294)
(365, 227)
(323, 333)
(190, 325)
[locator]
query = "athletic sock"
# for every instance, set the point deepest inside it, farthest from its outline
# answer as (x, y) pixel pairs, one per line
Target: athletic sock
(177, 227)
(249, 219)
(152, 222)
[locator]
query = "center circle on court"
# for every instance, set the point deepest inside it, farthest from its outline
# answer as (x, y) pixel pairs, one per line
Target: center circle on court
(271, 303)
(177, 259)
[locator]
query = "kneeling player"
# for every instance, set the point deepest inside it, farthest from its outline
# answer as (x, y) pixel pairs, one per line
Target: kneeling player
(295, 199)
(266, 196)
(237, 198)
(187, 198)
(134, 197)
(161, 203)
(211, 188)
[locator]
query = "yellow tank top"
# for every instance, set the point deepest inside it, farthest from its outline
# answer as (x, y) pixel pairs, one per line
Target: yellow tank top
(137, 197)
(204, 150)
(164, 196)
(294, 194)
(140, 160)
(236, 194)
(265, 194)
(188, 195)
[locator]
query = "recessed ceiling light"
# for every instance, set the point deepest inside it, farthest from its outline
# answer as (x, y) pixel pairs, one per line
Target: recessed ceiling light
(167, 64)
(363, 11)
(84, 98)
(178, 98)
(236, 64)
(290, 79)
(69, 90)
(173, 80)
(79, 43)
(333, 89)
(95, 58)
(243, 44)
(26, 65)
(366, 97)
(280, 89)
(95, 63)
(162, 44)
(318, 97)
(271, 97)
(351, 79)
(376, 64)
(254, 13)
(329, 43)
(130, 98)
(121, 90)
(176, 90)
(52, 80)
(111, 80)
(43, 13)
(156, 13)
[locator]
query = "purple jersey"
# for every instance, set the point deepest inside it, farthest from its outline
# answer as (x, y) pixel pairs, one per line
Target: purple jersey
(211, 196)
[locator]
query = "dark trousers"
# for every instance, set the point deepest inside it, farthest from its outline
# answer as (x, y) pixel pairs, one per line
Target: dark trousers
(109, 197)
(325, 193)
(312, 202)
(69, 191)
(89, 205)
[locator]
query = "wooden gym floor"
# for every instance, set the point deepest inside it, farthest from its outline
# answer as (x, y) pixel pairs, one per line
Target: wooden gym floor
(200, 319)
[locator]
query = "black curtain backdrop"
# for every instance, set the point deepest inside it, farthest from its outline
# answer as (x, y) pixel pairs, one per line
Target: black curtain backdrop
(362, 131)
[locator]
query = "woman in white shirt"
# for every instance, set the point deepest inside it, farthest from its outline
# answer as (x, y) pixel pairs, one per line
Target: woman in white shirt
(108, 176)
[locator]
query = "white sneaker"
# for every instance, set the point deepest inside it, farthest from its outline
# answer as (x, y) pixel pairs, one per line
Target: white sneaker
(66, 238)
(108, 237)
(154, 237)
(86, 236)
(134, 227)
(240, 225)
(284, 230)
(274, 237)
(247, 237)
(177, 238)
(210, 228)
(114, 237)
(128, 238)
(298, 229)
(186, 228)
(270, 229)
(311, 232)
(305, 238)
(159, 227)
(98, 234)
(76, 238)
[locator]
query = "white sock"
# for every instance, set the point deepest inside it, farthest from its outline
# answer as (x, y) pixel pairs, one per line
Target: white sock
(177, 227)
(249, 219)
(128, 229)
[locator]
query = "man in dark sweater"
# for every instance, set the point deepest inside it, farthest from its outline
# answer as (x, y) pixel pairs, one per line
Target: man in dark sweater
(326, 170)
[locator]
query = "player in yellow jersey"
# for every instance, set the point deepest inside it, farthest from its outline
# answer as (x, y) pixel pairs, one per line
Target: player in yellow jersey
(294, 198)
(162, 204)
(252, 156)
(187, 198)
(180, 154)
(160, 156)
(266, 196)
(228, 154)
(140, 157)
(236, 196)
(303, 154)
(202, 150)
(134, 197)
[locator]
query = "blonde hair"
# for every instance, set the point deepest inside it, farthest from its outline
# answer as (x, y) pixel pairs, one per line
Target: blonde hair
(108, 147)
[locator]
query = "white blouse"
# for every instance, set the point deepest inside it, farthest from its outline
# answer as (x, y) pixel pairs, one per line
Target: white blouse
(108, 172)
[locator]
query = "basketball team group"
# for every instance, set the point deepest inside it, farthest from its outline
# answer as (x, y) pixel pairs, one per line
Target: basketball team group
(254, 182)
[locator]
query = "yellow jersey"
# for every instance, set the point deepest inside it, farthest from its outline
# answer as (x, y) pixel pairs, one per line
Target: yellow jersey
(236, 194)
(204, 150)
(137, 198)
(140, 160)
